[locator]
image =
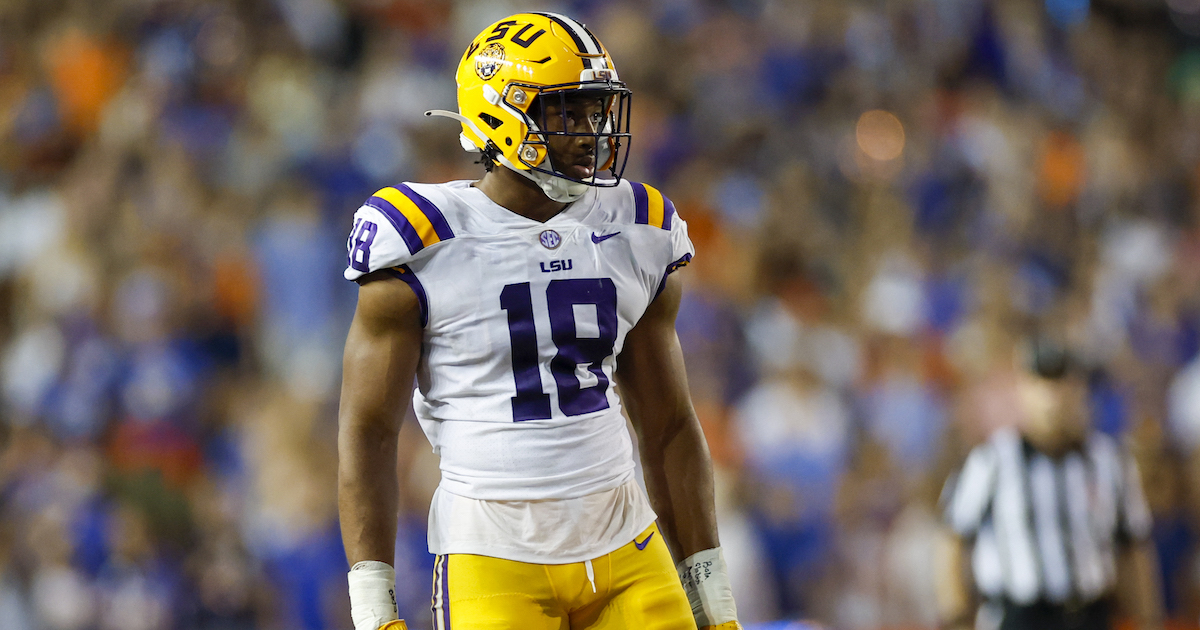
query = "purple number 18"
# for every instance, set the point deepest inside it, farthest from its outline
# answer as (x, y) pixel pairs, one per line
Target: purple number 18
(531, 402)
(359, 244)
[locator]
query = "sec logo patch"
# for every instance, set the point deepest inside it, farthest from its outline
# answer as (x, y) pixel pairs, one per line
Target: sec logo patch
(489, 60)
(550, 239)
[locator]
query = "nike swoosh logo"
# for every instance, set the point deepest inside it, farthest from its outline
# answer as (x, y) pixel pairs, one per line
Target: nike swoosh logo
(642, 545)
(596, 238)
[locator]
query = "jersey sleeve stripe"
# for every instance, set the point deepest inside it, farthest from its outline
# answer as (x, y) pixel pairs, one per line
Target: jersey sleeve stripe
(417, 219)
(398, 221)
(408, 277)
(652, 207)
(406, 209)
(656, 207)
(682, 262)
(641, 204)
(435, 216)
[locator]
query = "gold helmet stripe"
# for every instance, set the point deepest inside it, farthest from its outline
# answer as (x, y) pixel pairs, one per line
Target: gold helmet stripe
(584, 40)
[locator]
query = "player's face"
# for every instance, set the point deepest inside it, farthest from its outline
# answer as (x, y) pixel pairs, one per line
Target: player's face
(583, 114)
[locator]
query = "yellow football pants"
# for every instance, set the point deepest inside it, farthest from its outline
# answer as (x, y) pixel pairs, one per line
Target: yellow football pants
(636, 588)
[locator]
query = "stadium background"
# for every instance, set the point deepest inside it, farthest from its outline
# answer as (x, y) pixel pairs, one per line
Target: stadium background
(885, 196)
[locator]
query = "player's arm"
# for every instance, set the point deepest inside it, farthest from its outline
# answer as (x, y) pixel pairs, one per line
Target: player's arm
(675, 459)
(380, 360)
(953, 589)
(968, 497)
(1139, 582)
(1137, 564)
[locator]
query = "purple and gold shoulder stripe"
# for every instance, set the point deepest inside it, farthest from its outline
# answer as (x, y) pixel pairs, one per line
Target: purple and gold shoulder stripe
(418, 221)
(651, 207)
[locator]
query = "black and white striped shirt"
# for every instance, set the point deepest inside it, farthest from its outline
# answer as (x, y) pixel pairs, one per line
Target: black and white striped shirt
(1045, 528)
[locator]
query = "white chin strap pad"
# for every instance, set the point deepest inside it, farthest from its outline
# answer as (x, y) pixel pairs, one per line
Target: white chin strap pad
(556, 188)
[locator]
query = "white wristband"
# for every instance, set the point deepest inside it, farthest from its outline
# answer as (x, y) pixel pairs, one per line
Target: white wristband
(706, 582)
(372, 594)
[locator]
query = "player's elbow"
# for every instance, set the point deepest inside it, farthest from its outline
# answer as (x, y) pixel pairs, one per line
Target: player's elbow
(670, 430)
(362, 438)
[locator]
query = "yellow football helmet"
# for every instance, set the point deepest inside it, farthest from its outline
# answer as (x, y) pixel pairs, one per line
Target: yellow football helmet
(505, 77)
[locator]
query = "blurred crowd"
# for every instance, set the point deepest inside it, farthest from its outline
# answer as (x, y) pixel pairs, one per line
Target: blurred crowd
(885, 196)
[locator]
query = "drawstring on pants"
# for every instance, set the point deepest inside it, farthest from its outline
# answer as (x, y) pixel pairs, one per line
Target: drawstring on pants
(591, 574)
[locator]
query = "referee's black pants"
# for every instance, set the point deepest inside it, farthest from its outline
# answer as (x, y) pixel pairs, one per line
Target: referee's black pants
(1044, 616)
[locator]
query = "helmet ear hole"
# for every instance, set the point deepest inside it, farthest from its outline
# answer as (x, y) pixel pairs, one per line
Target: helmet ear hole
(490, 120)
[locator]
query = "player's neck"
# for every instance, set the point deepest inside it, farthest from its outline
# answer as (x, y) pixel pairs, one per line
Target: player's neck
(519, 195)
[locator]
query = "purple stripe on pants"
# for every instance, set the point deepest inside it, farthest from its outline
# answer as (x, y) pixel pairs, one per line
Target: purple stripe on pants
(446, 593)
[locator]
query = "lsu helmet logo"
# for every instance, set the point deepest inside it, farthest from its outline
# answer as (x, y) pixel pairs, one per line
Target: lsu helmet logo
(489, 60)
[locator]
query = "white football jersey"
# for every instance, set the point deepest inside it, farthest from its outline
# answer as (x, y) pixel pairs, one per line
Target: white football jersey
(523, 323)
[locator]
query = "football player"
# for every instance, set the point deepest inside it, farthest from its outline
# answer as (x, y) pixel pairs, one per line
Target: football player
(532, 306)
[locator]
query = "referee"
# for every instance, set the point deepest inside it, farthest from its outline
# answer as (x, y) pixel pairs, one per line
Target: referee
(1053, 516)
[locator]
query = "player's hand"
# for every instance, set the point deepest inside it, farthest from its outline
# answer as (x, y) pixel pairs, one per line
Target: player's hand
(373, 596)
(706, 584)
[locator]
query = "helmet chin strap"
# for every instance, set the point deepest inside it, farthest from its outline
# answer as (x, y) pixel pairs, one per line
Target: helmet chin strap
(556, 188)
